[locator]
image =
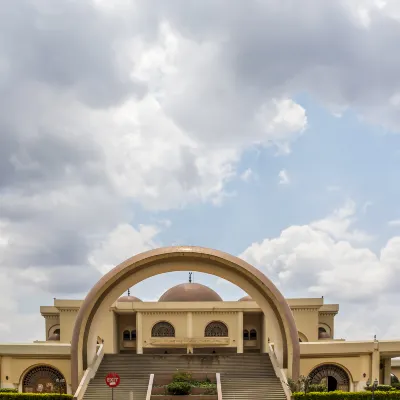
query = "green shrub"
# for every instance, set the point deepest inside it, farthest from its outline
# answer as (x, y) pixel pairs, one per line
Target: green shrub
(182, 376)
(338, 395)
(8, 390)
(317, 387)
(396, 385)
(380, 388)
(33, 396)
(179, 388)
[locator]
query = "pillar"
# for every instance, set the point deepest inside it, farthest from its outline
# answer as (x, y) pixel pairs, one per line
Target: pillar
(387, 363)
(139, 333)
(264, 336)
(189, 330)
(375, 361)
(240, 332)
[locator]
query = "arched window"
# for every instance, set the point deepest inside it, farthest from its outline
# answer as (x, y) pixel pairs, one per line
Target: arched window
(44, 379)
(133, 334)
(246, 335)
(126, 335)
(57, 331)
(163, 329)
(253, 334)
(216, 328)
(300, 341)
(336, 378)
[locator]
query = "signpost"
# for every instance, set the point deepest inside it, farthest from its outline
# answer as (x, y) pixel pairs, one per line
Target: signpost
(112, 380)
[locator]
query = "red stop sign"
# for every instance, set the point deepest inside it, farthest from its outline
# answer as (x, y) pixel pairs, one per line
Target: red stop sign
(113, 379)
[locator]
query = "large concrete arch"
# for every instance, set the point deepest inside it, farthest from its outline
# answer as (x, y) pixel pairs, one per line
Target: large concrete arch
(181, 258)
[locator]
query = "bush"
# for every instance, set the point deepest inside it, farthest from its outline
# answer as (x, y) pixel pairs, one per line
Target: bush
(33, 396)
(380, 388)
(179, 388)
(182, 376)
(338, 395)
(396, 386)
(317, 387)
(8, 390)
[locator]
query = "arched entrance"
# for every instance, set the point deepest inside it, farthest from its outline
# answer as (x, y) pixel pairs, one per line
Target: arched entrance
(169, 259)
(44, 379)
(335, 377)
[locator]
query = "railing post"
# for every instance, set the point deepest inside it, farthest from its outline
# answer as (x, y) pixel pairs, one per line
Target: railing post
(219, 386)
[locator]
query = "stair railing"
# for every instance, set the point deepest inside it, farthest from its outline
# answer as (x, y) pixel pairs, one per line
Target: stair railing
(278, 371)
(219, 386)
(89, 373)
(150, 387)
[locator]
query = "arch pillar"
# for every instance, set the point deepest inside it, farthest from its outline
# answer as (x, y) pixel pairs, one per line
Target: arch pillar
(158, 261)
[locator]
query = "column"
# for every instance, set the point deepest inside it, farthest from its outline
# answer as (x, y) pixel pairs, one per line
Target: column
(139, 333)
(264, 336)
(387, 370)
(189, 330)
(240, 332)
(375, 361)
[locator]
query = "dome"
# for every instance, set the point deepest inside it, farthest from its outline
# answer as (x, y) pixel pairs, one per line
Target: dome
(54, 336)
(190, 292)
(246, 298)
(128, 299)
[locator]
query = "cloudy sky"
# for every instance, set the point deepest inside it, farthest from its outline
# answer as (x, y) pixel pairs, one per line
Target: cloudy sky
(261, 128)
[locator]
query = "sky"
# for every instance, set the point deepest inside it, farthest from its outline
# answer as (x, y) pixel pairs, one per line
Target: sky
(261, 128)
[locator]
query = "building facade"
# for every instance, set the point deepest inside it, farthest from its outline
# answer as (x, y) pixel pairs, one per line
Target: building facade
(191, 318)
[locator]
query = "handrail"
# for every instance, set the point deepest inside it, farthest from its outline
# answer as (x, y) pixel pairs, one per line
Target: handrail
(89, 373)
(150, 387)
(219, 387)
(278, 371)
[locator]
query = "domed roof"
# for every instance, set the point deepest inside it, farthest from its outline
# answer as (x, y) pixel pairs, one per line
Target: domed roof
(127, 299)
(54, 336)
(190, 292)
(246, 298)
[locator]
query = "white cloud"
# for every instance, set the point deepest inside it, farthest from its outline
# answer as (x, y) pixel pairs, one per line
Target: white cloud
(283, 177)
(319, 260)
(247, 175)
(120, 244)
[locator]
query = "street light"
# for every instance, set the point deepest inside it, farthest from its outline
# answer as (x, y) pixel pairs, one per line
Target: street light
(60, 384)
(373, 387)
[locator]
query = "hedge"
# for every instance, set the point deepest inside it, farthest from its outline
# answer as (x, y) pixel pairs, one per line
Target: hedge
(8, 390)
(34, 396)
(338, 395)
(179, 388)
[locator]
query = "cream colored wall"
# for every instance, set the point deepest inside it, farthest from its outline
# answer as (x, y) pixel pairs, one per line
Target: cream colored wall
(355, 366)
(396, 371)
(307, 322)
(202, 319)
(254, 321)
(51, 322)
(326, 319)
(177, 319)
(67, 322)
(125, 322)
(16, 368)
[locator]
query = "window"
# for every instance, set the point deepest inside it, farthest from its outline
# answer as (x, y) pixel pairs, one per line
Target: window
(246, 335)
(163, 329)
(214, 329)
(127, 335)
(44, 379)
(133, 334)
(57, 331)
(253, 334)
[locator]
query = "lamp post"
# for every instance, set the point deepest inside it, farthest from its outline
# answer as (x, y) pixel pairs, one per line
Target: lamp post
(373, 387)
(60, 384)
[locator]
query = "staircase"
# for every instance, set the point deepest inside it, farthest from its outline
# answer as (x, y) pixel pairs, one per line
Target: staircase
(243, 376)
(254, 378)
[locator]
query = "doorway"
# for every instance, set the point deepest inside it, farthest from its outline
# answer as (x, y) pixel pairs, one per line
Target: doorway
(332, 384)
